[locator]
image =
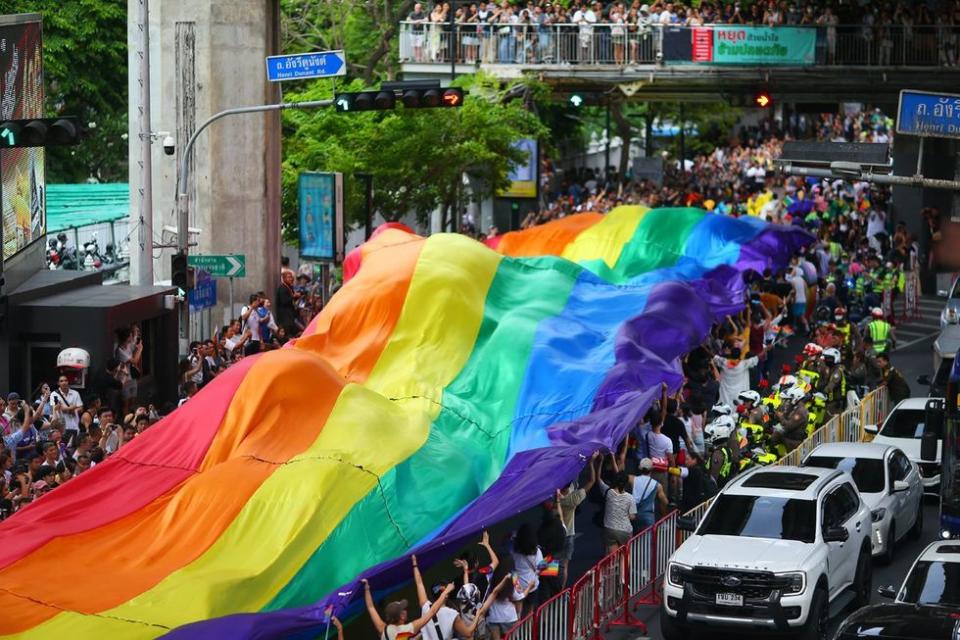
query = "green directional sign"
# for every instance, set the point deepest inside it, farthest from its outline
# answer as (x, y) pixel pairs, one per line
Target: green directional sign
(228, 266)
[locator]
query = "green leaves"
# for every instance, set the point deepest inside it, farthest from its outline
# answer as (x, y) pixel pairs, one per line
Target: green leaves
(85, 70)
(418, 157)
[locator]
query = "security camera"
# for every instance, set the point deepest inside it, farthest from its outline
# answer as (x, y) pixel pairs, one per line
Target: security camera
(169, 145)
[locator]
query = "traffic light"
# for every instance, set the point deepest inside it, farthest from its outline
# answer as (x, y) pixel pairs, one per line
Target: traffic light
(385, 99)
(763, 100)
(40, 132)
(181, 273)
(576, 100)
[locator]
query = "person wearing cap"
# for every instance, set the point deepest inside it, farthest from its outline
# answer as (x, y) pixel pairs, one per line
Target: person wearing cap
(394, 625)
(20, 429)
(879, 334)
(647, 493)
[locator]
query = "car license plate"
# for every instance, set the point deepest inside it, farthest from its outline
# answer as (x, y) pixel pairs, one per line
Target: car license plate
(730, 599)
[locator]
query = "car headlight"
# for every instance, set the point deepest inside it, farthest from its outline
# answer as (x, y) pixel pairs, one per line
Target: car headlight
(798, 582)
(878, 514)
(673, 574)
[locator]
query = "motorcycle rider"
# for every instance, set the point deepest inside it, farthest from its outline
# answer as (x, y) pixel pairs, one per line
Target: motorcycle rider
(836, 382)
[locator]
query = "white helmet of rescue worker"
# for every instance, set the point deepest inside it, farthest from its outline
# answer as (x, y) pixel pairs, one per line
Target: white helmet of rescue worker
(832, 355)
(786, 382)
(877, 312)
(719, 430)
(722, 409)
(794, 393)
(748, 396)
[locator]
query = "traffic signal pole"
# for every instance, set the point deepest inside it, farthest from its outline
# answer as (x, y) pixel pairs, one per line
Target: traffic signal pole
(144, 256)
(183, 200)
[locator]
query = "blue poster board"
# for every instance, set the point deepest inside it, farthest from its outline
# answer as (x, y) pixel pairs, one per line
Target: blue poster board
(321, 215)
(933, 115)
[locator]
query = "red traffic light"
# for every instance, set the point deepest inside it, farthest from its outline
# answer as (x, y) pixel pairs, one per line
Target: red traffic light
(762, 100)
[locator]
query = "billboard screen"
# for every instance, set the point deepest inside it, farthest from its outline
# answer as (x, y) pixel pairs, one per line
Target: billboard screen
(22, 183)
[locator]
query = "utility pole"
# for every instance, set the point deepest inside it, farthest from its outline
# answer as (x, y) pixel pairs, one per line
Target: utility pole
(606, 155)
(144, 257)
(183, 200)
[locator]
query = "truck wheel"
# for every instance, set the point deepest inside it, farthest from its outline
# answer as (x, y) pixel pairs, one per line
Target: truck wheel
(669, 628)
(887, 556)
(917, 529)
(863, 581)
(817, 619)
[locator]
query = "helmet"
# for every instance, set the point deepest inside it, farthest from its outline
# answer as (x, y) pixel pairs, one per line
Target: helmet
(748, 396)
(840, 314)
(722, 409)
(832, 355)
(812, 349)
(794, 393)
(719, 430)
(787, 381)
(876, 312)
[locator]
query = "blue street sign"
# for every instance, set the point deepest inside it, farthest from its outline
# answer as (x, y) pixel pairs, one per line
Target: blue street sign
(204, 294)
(934, 115)
(300, 66)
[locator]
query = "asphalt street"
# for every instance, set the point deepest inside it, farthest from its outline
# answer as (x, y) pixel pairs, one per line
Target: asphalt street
(914, 357)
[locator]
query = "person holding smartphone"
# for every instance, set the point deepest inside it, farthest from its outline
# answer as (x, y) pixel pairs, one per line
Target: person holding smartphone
(68, 403)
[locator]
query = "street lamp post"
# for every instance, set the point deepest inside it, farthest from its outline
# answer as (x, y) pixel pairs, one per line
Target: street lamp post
(183, 200)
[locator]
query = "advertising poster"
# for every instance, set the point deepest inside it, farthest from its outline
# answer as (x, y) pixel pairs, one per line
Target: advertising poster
(321, 215)
(523, 177)
(760, 46)
(21, 170)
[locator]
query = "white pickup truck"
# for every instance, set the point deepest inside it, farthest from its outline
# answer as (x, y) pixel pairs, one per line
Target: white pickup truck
(777, 547)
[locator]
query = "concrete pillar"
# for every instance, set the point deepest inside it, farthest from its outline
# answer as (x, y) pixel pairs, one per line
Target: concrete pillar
(208, 56)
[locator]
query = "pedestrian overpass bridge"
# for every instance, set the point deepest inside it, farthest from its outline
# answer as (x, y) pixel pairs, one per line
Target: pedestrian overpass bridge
(714, 62)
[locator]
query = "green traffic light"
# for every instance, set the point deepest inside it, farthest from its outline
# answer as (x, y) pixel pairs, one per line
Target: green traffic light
(576, 100)
(9, 136)
(344, 103)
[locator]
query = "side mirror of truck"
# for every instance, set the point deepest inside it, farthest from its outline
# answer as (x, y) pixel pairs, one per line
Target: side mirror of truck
(836, 534)
(686, 524)
(924, 380)
(872, 429)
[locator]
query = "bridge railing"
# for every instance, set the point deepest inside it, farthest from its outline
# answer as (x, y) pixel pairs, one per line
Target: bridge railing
(605, 44)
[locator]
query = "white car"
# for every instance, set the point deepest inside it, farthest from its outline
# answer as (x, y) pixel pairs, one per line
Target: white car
(777, 547)
(888, 482)
(903, 429)
(951, 309)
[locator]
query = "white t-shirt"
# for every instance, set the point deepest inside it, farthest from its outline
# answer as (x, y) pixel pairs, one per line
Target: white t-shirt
(399, 632)
(799, 289)
(875, 223)
(525, 568)
(734, 378)
(445, 617)
(658, 445)
(252, 324)
(71, 421)
(502, 612)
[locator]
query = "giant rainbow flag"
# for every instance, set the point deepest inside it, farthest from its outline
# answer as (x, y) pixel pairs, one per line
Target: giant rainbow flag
(448, 385)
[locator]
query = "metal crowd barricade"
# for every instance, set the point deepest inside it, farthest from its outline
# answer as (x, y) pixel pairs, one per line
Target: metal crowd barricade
(523, 630)
(553, 618)
(584, 624)
(633, 574)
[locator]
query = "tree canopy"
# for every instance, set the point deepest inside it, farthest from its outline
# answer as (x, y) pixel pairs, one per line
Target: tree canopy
(417, 156)
(85, 72)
